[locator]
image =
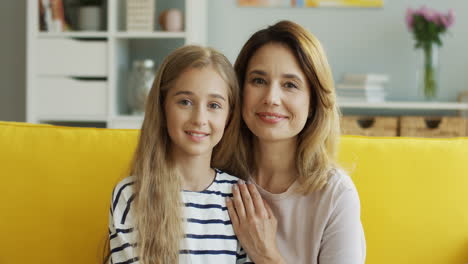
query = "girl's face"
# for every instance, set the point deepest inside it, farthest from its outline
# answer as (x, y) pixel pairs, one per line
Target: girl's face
(197, 110)
(276, 99)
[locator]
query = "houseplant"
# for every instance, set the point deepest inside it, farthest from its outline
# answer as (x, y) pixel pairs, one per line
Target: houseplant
(427, 26)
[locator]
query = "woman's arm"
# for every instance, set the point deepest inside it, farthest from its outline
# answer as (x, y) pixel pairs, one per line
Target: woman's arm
(343, 238)
(254, 224)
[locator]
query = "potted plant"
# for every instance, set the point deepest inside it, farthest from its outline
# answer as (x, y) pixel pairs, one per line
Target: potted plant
(89, 15)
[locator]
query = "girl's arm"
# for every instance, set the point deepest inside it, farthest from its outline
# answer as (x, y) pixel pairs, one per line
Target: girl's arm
(122, 242)
(254, 224)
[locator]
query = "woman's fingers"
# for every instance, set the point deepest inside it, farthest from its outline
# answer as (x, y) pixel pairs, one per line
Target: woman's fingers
(238, 203)
(247, 199)
(232, 212)
(257, 200)
(268, 209)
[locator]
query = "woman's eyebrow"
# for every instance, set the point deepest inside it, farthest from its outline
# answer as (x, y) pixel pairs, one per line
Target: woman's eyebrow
(259, 72)
(292, 76)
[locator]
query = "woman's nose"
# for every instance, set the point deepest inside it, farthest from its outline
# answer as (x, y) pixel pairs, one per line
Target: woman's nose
(273, 95)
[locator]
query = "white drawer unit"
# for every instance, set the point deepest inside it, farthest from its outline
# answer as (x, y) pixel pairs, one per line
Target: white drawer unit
(80, 77)
(72, 57)
(71, 97)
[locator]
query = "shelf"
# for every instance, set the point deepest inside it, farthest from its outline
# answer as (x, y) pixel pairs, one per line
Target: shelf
(149, 35)
(73, 118)
(74, 34)
(128, 117)
(406, 105)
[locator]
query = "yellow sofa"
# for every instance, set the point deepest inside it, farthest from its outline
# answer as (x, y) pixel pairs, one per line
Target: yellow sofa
(57, 183)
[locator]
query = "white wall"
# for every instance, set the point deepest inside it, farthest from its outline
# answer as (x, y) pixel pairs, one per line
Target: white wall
(12, 60)
(356, 40)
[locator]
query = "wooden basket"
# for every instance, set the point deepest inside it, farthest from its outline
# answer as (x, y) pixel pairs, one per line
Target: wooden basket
(434, 127)
(370, 126)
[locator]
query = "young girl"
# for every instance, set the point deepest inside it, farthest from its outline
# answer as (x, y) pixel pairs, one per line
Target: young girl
(172, 209)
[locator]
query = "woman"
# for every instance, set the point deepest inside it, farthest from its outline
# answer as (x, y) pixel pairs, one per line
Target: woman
(311, 212)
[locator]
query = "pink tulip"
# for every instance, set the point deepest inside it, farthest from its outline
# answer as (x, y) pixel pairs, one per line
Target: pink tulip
(450, 18)
(409, 18)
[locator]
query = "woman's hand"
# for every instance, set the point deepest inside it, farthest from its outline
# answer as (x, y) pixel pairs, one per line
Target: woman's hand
(254, 224)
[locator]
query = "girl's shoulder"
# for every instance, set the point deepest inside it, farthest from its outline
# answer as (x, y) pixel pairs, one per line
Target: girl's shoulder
(123, 189)
(223, 177)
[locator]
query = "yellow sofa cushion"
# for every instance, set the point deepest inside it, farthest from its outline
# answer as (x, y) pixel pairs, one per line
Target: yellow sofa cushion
(57, 183)
(414, 197)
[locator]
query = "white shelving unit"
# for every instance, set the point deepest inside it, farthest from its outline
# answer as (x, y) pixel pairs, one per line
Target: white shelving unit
(406, 105)
(79, 77)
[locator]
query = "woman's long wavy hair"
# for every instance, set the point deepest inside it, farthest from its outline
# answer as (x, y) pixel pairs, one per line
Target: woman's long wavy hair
(318, 141)
(158, 205)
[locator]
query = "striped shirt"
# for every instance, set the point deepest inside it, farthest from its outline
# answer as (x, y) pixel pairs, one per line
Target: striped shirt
(209, 235)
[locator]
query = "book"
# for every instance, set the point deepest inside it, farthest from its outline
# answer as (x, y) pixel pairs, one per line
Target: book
(353, 86)
(58, 16)
(365, 78)
(371, 99)
(47, 15)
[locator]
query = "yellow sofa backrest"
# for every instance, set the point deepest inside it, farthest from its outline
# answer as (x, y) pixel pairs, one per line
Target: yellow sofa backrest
(57, 184)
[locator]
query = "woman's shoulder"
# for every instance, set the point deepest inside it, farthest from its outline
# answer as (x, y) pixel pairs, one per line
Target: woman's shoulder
(340, 179)
(340, 184)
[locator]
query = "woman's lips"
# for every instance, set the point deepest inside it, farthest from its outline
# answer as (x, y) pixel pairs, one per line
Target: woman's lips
(271, 118)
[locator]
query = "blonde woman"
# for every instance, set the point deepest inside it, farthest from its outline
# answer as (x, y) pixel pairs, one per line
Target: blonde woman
(290, 131)
(172, 209)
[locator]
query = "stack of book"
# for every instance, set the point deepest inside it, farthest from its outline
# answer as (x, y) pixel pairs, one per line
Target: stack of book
(362, 88)
(55, 15)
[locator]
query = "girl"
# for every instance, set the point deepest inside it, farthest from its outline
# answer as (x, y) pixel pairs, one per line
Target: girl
(172, 209)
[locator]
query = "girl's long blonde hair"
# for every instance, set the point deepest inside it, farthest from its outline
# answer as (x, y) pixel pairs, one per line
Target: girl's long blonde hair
(158, 213)
(318, 140)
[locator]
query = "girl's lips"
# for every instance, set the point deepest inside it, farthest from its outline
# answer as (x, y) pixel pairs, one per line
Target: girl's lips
(271, 118)
(196, 136)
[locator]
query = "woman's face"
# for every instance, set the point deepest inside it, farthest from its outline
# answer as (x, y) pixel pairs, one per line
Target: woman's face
(276, 97)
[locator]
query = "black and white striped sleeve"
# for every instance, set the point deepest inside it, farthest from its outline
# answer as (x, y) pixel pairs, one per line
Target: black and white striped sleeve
(241, 257)
(122, 239)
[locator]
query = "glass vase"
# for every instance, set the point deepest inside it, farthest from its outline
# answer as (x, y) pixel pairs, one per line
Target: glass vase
(139, 84)
(428, 71)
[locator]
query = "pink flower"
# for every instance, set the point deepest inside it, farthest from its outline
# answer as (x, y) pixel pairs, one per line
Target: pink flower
(409, 18)
(450, 18)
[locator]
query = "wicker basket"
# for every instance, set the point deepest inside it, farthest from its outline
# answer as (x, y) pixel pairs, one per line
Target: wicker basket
(369, 126)
(434, 127)
(141, 15)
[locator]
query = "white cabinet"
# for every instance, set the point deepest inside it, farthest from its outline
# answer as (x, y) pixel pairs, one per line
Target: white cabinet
(81, 76)
(72, 57)
(70, 95)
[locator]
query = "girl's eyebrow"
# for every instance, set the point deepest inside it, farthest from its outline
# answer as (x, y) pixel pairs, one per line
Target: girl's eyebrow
(214, 95)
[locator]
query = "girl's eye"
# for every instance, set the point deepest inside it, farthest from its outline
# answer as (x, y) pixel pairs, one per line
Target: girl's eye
(258, 81)
(290, 85)
(215, 106)
(185, 102)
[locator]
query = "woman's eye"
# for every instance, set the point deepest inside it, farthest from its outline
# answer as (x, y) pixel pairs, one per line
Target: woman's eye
(215, 106)
(258, 81)
(290, 85)
(185, 102)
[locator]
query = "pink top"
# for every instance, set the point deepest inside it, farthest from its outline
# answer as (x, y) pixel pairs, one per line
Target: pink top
(323, 227)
